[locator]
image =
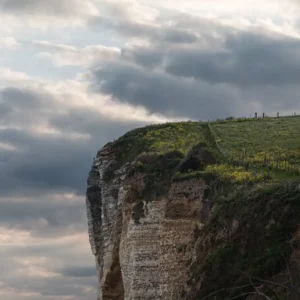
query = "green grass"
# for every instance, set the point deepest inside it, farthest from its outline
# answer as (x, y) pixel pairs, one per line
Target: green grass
(237, 175)
(227, 174)
(157, 150)
(271, 138)
(279, 175)
(158, 139)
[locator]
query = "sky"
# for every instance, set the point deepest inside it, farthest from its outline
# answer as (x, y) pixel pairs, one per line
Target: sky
(75, 74)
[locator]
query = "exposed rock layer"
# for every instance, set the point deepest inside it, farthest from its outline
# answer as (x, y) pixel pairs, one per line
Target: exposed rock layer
(142, 248)
(173, 246)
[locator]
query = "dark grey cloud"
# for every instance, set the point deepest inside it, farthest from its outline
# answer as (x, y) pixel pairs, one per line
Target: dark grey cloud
(144, 56)
(49, 162)
(88, 121)
(240, 58)
(245, 60)
(64, 216)
(45, 7)
(174, 36)
(15, 98)
(5, 109)
(38, 165)
(71, 252)
(205, 49)
(233, 74)
(160, 92)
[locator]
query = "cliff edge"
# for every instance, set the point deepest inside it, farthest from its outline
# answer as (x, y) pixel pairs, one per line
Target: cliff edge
(169, 218)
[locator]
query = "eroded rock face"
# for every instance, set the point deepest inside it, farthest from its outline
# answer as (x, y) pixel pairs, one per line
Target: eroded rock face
(142, 248)
(184, 240)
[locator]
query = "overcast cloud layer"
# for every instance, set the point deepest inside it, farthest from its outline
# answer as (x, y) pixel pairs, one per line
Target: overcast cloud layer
(77, 74)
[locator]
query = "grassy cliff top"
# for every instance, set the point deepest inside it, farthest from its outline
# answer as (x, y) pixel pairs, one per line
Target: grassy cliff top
(159, 139)
(260, 145)
(273, 137)
(278, 137)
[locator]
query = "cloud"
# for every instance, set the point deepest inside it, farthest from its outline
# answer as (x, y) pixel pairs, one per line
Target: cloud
(46, 14)
(245, 59)
(233, 8)
(147, 56)
(43, 218)
(38, 117)
(47, 7)
(126, 10)
(48, 270)
(8, 42)
(219, 75)
(9, 76)
(186, 22)
(156, 33)
(160, 92)
(65, 55)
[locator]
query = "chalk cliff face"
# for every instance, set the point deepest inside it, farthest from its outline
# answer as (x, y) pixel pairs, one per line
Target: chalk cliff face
(162, 225)
(143, 247)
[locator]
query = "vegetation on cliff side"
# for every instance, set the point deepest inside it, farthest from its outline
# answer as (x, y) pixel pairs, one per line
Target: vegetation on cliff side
(249, 241)
(158, 139)
(227, 173)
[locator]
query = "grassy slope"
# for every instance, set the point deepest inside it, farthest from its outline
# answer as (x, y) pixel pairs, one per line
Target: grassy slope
(157, 151)
(159, 139)
(274, 137)
(271, 137)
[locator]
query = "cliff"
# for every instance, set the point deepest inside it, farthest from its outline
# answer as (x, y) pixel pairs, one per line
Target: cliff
(170, 219)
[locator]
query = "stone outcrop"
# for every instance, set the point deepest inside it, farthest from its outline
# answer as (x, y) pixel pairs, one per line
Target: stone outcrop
(164, 226)
(142, 248)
